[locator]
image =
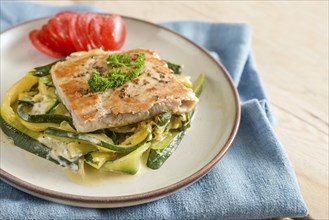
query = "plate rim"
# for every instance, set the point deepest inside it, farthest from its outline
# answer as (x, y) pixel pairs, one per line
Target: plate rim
(139, 198)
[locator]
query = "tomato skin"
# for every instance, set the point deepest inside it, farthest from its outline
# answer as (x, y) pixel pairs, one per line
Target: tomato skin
(113, 32)
(34, 38)
(67, 32)
(76, 39)
(49, 38)
(120, 32)
(82, 25)
(94, 31)
(59, 25)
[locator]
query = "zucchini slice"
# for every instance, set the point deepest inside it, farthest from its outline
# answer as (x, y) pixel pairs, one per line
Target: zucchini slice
(44, 70)
(163, 119)
(41, 118)
(127, 164)
(9, 99)
(98, 159)
(198, 85)
(59, 109)
(24, 141)
(176, 68)
(32, 145)
(135, 141)
(77, 149)
(160, 152)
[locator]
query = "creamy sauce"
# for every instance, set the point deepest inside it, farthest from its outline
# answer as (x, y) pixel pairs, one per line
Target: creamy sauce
(89, 176)
(39, 164)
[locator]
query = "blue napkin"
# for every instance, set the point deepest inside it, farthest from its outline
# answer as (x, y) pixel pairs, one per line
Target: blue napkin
(254, 180)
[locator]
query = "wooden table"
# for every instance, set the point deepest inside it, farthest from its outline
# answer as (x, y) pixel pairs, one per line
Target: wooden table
(290, 44)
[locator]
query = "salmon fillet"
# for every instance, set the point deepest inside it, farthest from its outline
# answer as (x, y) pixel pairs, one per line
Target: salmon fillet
(155, 90)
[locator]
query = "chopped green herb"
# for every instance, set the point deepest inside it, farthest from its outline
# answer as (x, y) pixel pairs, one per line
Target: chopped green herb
(122, 68)
(98, 83)
(118, 60)
(117, 77)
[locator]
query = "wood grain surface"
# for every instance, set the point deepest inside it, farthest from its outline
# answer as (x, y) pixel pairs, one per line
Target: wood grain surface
(290, 44)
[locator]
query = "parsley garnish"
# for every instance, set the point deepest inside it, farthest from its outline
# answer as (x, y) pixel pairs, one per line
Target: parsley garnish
(122, 68)
(98, 83)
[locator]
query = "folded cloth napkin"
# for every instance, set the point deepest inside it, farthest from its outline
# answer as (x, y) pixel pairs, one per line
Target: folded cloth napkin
(254, 180)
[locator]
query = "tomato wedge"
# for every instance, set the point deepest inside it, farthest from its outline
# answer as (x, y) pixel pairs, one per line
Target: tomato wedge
(67, 32)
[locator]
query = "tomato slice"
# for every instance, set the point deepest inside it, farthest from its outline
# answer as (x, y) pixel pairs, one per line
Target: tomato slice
(113, 32)
(94, 31)
(75, 38)
(60, 22)
(82, 24)
(120, 32)
(80, 32)
(57, 26)
(45, 38)
(34, 38)
(57, 31)
(52, 34)
(68, 32)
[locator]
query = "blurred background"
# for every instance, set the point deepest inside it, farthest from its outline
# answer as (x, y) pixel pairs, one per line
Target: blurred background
(290, 44)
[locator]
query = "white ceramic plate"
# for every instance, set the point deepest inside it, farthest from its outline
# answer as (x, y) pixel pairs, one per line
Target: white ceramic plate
(214, 126)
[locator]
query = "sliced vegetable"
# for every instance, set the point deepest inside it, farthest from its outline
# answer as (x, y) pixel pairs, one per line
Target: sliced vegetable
(184, 79)
(24, 141)
(124, 129)
(40, 102)
(53, 34)
(60, 23)
(77, 149)
(41, 118)
(98, 159)
(113, 32)
(8, 113)
(163, 150)
(74, 35)
(59, 109)
(48, 39)
(175, 67)
(26, 97)
(163, 119)
(82, 23)
(130, 144)
(32, 145)
(34, 37)
(9, 99)
(129, 163)
(94, 31)
(67, 32)
(44, 70)
(198, 85)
